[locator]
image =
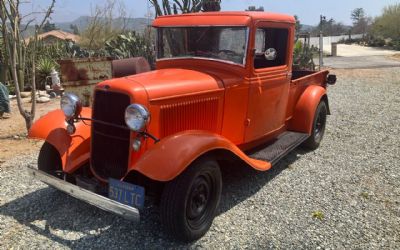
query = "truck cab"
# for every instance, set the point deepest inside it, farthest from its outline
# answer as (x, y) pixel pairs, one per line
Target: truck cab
(223, 91)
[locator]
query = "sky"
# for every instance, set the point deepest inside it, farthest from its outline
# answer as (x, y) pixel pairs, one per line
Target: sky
(308, 10)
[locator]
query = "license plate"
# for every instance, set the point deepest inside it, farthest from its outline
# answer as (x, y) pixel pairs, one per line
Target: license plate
(126, 193)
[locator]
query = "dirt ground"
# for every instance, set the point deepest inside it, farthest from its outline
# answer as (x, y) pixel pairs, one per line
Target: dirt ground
(395, 57)
(353, 50)
(13, 132)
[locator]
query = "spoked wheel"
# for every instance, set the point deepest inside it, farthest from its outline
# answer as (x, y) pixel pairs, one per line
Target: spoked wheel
(189, 202)
(318, 129)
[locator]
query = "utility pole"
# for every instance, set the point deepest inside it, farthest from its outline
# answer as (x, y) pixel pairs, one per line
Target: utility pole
(321, 41)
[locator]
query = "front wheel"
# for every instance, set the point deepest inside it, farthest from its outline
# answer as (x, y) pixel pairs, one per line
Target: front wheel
(49, 160)
(318, 129)
(189, 202)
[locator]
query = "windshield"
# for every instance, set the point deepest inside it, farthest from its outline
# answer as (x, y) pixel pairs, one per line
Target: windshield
(220, 43)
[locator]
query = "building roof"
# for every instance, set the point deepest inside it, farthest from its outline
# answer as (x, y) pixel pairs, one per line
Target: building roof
(221, 18)
(62, 35)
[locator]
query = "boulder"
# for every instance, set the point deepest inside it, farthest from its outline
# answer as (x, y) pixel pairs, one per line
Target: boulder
(43, 99)
(25, 94)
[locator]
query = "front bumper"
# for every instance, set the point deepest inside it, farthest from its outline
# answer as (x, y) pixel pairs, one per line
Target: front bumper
(99, 201)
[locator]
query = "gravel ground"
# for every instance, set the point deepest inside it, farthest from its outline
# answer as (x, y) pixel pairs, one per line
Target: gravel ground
(346, 194)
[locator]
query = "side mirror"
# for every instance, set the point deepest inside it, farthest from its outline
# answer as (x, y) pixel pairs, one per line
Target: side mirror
(331, 79)
(270, 54)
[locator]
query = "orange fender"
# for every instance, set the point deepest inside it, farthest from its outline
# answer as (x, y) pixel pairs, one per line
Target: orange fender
(74, 150)
(172, 155)
(305, 109)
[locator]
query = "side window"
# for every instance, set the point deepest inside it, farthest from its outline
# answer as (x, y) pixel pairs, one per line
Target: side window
(270, 47)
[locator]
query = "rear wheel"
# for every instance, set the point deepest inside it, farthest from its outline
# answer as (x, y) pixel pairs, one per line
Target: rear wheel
(318, 129)
(189, 202)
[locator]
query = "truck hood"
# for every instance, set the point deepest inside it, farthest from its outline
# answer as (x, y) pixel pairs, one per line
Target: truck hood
(175, 82)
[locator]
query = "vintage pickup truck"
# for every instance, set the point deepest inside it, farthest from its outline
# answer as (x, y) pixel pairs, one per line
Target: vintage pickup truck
(223, 92)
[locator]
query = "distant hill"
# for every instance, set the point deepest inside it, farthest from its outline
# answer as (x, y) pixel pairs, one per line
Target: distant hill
(307, 28)
(136, 24)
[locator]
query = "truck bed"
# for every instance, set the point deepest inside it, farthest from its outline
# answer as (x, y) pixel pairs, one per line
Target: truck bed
(309, 77)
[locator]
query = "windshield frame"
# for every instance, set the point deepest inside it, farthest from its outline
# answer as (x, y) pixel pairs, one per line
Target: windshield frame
(243, 65)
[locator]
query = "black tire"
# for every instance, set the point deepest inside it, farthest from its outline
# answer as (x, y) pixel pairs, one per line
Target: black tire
(49, 160)
(189, 202)
(318, 128)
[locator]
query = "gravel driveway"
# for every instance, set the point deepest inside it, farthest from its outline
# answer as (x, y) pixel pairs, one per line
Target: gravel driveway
(346, 194)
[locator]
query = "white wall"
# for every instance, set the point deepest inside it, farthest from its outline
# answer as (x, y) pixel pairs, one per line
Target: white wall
(328, 40)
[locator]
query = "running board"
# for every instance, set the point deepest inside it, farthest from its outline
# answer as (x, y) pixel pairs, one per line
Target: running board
(276, 150)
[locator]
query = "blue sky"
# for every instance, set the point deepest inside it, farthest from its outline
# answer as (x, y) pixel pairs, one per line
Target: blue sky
(307, 10)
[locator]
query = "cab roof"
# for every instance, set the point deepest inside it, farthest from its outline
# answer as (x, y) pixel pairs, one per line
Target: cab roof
(236, 18)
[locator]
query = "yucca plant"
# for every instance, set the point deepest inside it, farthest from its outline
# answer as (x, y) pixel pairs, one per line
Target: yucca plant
(44, 67)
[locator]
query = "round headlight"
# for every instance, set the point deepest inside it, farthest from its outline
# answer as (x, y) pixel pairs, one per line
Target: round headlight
(71, 105)
(137, 117)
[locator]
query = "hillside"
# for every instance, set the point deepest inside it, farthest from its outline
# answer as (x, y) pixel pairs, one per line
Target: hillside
(137, 24)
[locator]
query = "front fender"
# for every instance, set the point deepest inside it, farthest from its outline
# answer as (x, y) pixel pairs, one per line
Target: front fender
(173, 154)
(74, 149)
(304, 112)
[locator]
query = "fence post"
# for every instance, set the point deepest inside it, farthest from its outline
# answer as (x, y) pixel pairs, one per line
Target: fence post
(321, 50)
(334, 49)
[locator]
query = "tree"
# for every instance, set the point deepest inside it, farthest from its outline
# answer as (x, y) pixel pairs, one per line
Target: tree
(254, 8)
(12, 37)
(164, 7)
(74, 29)
(211, 5)
(48, 27)
(298, 24)
(387, 25)
(103, 26)
(357, 15)
(330, 27)
(360, 21)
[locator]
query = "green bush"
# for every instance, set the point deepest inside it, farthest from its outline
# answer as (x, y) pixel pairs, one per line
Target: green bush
(395, 44)
(376, 42)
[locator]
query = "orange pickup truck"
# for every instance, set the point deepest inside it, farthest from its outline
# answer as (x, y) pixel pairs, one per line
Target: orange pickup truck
(223, 91)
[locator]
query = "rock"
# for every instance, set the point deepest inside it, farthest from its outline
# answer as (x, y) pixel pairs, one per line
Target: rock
(5, 115)
(43, 99)
(42, 93)
(25, 94)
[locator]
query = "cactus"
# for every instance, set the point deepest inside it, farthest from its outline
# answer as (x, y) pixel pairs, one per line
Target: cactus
(184, 6)
(302, 57)
(128, 45)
